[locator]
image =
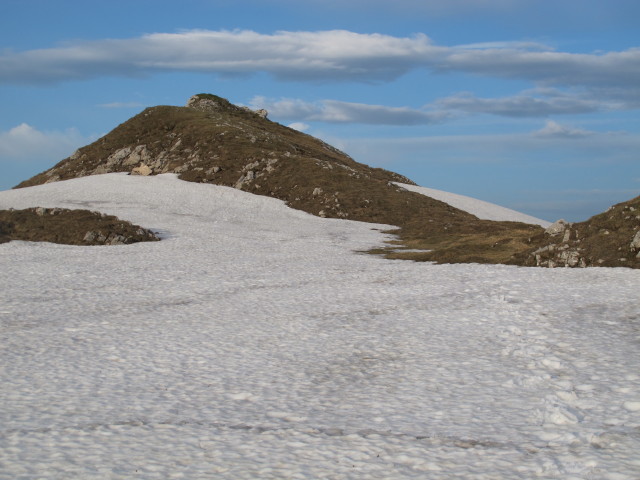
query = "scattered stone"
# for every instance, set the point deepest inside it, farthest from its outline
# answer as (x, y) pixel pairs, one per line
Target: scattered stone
(115, 239)
(251, 166)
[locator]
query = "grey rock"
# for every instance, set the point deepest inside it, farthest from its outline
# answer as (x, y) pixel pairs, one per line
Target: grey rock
(203, 104)
(115, 239)
(557, 227)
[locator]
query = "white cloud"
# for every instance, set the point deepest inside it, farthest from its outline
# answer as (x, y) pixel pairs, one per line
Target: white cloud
(26, 143)
(621, 69)
(335, 55)
(540, 102)
(300, 126)
(533, 103)
(321, 56)
(334, 111)
(555, 130)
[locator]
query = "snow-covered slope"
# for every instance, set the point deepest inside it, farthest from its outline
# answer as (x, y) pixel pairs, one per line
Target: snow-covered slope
(481, 209)
(255, 342)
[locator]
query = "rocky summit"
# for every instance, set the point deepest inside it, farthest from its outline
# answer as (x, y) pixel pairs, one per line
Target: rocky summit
(213, 141)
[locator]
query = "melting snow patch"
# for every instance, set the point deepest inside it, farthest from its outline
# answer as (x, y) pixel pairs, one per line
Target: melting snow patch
(481, 209)
(251, 343)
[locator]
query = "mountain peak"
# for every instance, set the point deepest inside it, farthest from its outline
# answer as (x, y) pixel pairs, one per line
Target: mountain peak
(207, 102)
(211, 140)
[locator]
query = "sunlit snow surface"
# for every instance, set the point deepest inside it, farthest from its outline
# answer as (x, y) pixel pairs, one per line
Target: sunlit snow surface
(479, 208)
(255, 342)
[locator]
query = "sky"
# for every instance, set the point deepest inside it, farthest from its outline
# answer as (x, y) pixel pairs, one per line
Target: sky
(529, 104)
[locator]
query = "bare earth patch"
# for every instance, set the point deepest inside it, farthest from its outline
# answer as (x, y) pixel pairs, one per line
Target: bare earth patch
(71, 227)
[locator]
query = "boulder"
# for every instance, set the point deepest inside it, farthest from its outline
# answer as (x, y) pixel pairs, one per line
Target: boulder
(557, 227)
(143, 170)
(635, 243)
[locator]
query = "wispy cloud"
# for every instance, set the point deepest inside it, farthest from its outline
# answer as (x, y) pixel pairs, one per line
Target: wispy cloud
(300, 126)
(555, 130)
(527, 104)
(540, 102)
(621, 69)
(322, 56)
(334, 111)
(532, 148)
(26, 143)
(336, 55)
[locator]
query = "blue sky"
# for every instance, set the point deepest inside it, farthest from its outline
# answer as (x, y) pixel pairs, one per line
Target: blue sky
(530, 104)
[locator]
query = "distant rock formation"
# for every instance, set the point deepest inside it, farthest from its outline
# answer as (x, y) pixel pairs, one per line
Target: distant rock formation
(610, 239)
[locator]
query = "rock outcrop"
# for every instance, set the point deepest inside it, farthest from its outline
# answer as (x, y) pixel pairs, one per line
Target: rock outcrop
(71, 227)
(610, 239)
(211, 103)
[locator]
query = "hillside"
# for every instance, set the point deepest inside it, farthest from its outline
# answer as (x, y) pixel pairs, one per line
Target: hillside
(609, 239)
(213, 141)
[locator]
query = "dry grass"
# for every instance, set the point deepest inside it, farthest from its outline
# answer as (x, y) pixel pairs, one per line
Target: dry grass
(59, 225)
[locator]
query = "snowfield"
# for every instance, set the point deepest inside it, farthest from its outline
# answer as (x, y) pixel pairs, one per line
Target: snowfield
(255, 341)
(482, 210)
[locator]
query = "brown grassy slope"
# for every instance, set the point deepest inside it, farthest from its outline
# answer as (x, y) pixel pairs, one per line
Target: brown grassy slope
(604, 240)
(71, 227)
(231, 146)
